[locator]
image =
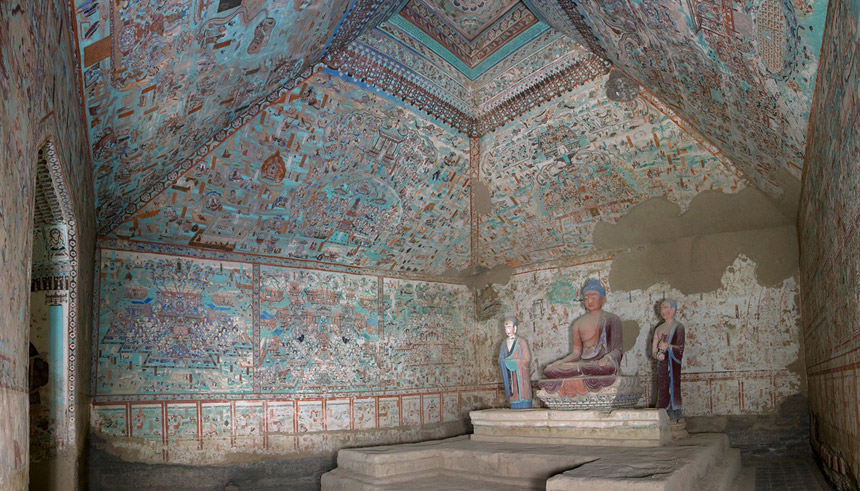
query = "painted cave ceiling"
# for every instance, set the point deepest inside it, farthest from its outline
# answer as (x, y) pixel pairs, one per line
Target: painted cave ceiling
(342, 131)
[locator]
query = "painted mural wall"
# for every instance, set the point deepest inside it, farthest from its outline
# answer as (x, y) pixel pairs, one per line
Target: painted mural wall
(197, 359)
(741, 72)
(741, 339)
(580, 159)
(830, 270)
(39, 102)
(329, 174)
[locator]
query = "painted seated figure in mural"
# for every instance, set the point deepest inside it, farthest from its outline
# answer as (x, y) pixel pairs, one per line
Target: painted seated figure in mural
(515, 361)
(668, 349)
(597, 349)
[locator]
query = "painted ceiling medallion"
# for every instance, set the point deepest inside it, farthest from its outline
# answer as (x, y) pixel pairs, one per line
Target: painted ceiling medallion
(471, 17)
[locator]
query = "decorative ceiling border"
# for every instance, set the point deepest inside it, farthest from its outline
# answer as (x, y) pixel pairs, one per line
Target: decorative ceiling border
(449, 42)
(471, 72)
(545, 89)
(106, 243)
(564, 16)
(371, 68)
(360, 16)
(368, 69)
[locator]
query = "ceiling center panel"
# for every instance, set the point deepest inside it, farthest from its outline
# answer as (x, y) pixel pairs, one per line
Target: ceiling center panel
(470, 18)
(495, 41)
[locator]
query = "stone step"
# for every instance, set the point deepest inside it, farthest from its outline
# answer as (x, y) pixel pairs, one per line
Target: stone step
(681, 466)
(722, 476)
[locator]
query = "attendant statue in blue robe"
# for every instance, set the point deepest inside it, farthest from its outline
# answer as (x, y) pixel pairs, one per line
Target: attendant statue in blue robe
(515, 360)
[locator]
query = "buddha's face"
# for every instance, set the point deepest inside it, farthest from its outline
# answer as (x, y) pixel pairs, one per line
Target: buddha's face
(593, 301)
(510, 329)
(666, 311)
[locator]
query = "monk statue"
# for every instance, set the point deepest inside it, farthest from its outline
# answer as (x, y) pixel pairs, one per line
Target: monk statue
(597, 349)
(667, 348)
(515, 361)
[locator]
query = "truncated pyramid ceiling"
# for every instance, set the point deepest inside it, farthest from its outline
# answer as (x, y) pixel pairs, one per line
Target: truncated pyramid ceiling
(354, 133)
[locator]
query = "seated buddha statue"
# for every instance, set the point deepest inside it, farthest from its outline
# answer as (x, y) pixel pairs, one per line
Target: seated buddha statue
(597, 349)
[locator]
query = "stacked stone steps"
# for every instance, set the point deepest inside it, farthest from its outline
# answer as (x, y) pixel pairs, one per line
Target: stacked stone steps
(703, 461)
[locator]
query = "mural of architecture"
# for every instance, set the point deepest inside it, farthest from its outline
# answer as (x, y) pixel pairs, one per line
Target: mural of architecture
(830, 272)
(319, 331)
(580, 159)
(173, 327)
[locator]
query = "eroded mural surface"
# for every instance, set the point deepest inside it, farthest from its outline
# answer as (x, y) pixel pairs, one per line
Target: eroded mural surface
(160, 79)
(199, 357)
(829, 236)
(580, 159)
(740, 72)
(741, 346)
(329, 174)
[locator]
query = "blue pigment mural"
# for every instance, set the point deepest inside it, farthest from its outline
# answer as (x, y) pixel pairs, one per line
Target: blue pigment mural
(173, 326)
(152, 70)
(740, 72)
(330, 174)
(199, 355)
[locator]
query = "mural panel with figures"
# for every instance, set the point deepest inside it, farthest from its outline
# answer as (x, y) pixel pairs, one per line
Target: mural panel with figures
(186, 371)
(426, 333)
(318, 331)
(581, 159)
(330, 174)
(173, 326)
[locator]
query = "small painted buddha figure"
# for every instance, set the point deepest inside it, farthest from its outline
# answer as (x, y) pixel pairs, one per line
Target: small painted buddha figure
(515, 360)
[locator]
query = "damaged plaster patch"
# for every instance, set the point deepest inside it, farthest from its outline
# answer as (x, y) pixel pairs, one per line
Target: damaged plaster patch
(691, 251)
(482, 198)
(478, 277)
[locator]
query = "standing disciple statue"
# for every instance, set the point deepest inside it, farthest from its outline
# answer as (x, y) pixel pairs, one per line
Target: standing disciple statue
(514, 359)
(668, 349)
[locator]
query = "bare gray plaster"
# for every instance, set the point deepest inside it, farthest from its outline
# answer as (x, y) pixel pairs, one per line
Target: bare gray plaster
(691, 251)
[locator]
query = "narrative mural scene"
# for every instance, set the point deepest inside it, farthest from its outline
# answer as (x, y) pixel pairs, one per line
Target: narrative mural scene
(196, 354)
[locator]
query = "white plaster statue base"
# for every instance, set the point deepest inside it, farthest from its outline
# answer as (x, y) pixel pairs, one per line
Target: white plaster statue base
(617, 427)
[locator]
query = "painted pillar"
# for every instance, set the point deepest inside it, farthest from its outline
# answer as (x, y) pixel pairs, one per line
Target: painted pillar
(57, 364)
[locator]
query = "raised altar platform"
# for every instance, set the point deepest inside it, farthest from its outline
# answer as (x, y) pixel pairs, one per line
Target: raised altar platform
(701, 461)
(615, 427)
(704, 462)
